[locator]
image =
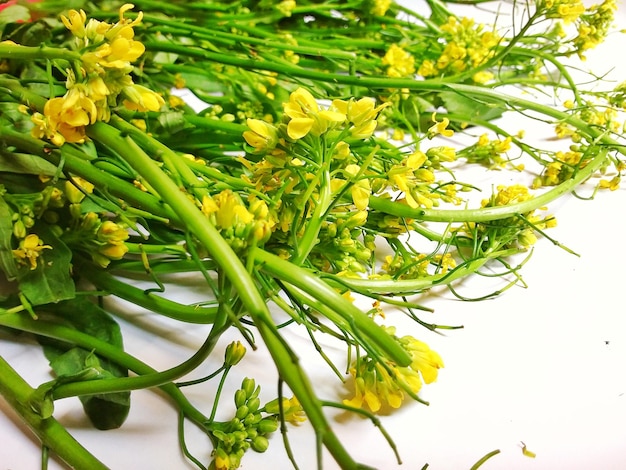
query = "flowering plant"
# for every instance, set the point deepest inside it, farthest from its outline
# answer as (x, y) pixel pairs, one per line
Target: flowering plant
(320, 174)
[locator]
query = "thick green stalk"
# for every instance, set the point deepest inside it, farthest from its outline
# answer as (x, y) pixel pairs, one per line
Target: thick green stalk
(237, 274)
(352, 316)
(73, 162)
(175, 310)
(69, 335)
(53, 435)
(485, 214)
(16, 51)
(186, 210)
(150, 380)
(477, 93)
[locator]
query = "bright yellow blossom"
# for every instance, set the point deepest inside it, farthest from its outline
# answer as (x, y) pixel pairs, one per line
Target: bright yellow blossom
(29, 250)
(399, 62)
(305, 115)
(440, 127)
(380, 7)
(140, 98)
(261, 135)
(377, 384)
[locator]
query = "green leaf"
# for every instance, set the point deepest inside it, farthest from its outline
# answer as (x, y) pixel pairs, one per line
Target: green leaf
(106, 411)
(26, 164)
(7, 261)
(470, 107)
(50, 281)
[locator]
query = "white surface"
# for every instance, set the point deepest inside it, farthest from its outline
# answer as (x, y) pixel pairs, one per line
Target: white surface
(544, 365)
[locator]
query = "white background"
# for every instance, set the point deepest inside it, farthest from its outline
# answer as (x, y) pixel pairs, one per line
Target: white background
(545, 365)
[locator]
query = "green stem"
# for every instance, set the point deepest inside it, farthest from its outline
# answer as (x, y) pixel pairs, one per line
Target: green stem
(372, 82)
(408, 286)
(310, 237)
(177, 311)
(150, 380)
(351, 315)
(236, 272)
(53, 435)
(485, 214)
(72, 336)
(73, 161)
(16, 51)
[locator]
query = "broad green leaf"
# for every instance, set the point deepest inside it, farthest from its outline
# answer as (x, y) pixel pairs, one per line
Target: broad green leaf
(50, 281)
(7, 261)
(106, 411)
(26, 164)
(470, 107)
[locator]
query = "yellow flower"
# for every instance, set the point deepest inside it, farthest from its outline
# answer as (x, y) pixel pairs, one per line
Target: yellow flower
(299, 127)
(482, 77)
(68, 116)
(112, 233)
(376, 385)
(142, 99)
(612, 184)
(424, 360)
(261, 135)
(440, 127)
(29, 250)
(364, 394)
(305, 115)
(75, 22)
(291, 408)
(76, 188)
(400, 63)
(362, 114)
(221, 459)
(380, 7)
(427, 69)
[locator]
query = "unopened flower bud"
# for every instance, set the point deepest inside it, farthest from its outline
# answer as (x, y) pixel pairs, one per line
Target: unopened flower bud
(242, 412)
(254, 404)
(19, 230)
(248, 385)
(240, 398)
(235, 352)
(267, 426)
(260, 444)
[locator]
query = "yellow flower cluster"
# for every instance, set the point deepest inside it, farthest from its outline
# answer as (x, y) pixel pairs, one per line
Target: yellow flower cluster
(488, 152)
(103, 240)
(414, 176)
(240, 226)
(400, 63)
(560, 169)
(593, 26)
(308, 137)
(566, 10)
(377, 385)
(402, 266)
(467, 46)
(380, 7)
(108, 51)
(520, 230)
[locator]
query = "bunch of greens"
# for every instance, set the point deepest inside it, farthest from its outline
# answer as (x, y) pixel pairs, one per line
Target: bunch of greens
(322, 165)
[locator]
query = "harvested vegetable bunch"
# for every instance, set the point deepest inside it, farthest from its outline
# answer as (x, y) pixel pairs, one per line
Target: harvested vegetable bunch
(321, 166)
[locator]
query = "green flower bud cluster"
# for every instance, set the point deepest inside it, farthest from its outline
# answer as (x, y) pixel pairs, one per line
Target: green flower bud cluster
(342, 247)
(248, 429)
